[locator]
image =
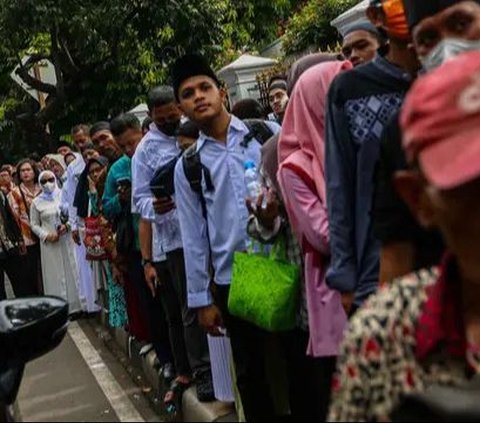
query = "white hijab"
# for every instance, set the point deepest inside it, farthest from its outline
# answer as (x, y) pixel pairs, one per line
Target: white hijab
(49, 196)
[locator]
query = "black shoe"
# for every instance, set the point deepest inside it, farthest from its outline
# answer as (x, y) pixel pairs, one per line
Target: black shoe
(205, 391)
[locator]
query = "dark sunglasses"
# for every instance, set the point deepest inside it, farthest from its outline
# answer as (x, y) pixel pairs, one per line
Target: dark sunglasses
(46, 181)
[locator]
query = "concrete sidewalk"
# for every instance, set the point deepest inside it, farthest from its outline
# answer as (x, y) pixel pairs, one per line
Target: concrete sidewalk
(192, 409)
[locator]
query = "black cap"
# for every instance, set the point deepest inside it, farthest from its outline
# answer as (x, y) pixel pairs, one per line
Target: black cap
(360, 26)
(417, 10)
(189, 66)
(278, 84)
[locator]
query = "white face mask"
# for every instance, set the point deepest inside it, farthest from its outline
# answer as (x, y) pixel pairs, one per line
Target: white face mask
(49, 187)
(447, 50)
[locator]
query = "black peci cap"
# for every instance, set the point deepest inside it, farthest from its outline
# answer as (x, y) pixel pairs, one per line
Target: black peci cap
(190, 66)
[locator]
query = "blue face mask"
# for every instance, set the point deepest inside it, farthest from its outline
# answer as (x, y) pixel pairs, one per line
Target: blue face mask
(447, 50)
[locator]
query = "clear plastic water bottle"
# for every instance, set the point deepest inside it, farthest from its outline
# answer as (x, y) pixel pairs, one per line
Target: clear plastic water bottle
(254, 187)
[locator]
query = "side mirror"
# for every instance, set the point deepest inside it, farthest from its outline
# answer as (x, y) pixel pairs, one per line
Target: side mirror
(31, 327)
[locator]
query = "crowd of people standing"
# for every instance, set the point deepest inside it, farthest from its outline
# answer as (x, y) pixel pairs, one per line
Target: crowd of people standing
(367, 186)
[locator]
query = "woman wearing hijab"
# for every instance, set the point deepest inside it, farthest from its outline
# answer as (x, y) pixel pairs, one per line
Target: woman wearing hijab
(305, 378)
(102, 270)
(301, 177)
(60, 273)
(59, 168)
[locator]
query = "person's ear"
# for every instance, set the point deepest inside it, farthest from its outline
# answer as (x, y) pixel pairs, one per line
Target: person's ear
(223, 96)
(376, 16)
(182, 109)
(223, 93)
(411, 188)
(179, 107)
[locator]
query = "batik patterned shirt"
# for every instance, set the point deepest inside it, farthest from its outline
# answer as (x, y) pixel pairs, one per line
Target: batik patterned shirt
(408, 337)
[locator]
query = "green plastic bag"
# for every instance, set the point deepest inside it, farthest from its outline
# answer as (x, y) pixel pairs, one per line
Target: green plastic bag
(265, 289)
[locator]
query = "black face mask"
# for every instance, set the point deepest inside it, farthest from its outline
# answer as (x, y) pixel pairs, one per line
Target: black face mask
(170, 128)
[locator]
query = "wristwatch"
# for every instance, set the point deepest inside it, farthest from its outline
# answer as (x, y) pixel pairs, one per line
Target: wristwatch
(146, 261)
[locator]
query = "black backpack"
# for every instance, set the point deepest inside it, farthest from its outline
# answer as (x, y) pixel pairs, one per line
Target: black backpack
(162, 184)
(195, 171)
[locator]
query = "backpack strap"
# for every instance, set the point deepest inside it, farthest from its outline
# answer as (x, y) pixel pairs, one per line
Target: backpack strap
(194, 169)
(259, 130)
(195, 172)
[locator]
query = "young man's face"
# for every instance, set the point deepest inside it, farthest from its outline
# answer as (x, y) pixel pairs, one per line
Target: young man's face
(167, 118)
(278, 100)
(360, 47)
(201, 99)
(460, 21)
(129, 141)
(106, 145)
(80, 139)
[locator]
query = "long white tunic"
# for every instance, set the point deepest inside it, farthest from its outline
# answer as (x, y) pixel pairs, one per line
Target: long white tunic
(88, 292)
(59, 266)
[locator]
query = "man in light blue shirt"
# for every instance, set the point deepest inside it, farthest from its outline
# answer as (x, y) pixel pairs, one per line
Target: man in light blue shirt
(161, 243)
(210, 241)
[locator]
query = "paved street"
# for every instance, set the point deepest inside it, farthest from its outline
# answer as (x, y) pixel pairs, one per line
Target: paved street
(81, 382)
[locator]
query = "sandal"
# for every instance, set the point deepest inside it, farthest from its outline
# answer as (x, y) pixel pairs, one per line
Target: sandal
(174, 395)
(205, 389)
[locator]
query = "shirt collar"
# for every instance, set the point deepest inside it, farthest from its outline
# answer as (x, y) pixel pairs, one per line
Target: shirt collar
(441, 321)
(389, 68)
(236, 126)
(28, 193)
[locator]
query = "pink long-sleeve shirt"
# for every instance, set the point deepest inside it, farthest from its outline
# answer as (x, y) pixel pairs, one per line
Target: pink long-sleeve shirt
(327, 318)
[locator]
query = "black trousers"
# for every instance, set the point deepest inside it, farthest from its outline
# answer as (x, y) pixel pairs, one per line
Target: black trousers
(188, 340)
(35, 268)
(157, 324)
(248, 348)
(309, 379)
(17, 268)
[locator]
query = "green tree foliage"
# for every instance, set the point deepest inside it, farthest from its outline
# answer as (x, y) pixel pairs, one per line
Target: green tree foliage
(107, 54)
(262, 20)
(310, 27)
